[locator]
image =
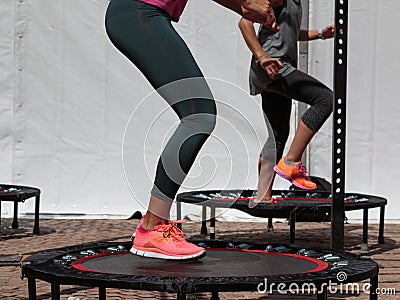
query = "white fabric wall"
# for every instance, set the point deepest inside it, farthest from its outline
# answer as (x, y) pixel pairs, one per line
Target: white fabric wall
(373, 139)
(74, 93)
(6, 88)
(8, 92)
(67, 94)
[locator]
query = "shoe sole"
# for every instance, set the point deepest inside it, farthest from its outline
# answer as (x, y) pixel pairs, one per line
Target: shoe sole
(152, 254)
(287, 177)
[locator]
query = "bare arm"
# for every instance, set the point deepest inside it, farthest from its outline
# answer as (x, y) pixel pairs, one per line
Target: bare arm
(269, 64)
(247, 29)
(259, 11)
(309, 35)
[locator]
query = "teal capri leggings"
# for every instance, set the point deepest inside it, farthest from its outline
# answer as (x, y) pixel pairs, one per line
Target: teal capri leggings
(144, 34)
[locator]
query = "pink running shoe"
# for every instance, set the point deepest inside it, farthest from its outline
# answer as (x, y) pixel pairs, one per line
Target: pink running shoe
(295, 173)
(166, 242)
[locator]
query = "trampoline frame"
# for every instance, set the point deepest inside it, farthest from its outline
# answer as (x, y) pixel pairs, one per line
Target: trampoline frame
(284, 211)
(46, 266)
(21, 194)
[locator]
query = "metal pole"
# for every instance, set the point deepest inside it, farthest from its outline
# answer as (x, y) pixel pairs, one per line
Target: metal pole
(364, 245)
(14, 224)
(339, 125)
(32, 288)
(212, 221)
(381, 238)
(102, 293)
(203, 229)
(179, 213)
(55, 291)
(36, 228)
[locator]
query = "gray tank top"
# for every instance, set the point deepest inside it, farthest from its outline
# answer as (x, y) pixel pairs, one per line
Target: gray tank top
(282, 45)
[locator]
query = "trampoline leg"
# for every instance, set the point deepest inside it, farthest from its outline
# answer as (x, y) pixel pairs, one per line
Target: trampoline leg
(381, 238)
(179, 213)
(32, 288)
(181, 296)
(36, 229)
(55, 291)
(374, 287)
(292, 221)
(14, 224)
(203, 229)
(364, 246)
(214, 296)
(322, 295)
(212, 222)
(102, 293)
(270, 227)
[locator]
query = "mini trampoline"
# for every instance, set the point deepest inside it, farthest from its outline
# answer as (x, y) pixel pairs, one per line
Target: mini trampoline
(17, 193)
(228, 266)
(292, 204)
(233, 266)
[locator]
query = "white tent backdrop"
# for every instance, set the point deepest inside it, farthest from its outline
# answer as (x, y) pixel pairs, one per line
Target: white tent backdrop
(67, 95)
(373, 139)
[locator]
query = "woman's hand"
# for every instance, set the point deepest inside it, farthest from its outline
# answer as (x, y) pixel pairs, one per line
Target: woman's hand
(259, 11)
(328, 32)
(270, 65)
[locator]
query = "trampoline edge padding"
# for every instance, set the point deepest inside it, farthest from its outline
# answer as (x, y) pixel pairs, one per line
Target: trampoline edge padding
(49, 267)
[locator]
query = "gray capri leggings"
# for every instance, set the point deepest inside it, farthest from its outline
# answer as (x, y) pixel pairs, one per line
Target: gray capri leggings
(277, 105)
(144, 34)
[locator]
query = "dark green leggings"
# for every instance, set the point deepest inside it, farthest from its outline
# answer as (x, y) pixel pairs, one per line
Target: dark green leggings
(144, 34)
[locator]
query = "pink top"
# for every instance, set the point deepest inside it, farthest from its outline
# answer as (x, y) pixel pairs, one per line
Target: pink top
(173, 7)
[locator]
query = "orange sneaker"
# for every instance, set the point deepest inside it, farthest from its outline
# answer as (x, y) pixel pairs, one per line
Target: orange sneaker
(166, 242)
(296, 174)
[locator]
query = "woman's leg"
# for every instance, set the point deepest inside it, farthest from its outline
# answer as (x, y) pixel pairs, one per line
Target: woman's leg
(277, 109)
(300, 142)
(144, 34)
(304, 88)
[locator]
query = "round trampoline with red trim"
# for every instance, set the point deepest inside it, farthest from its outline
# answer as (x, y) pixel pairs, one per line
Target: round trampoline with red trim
(295, 205)
(19, 194)
(228, 266)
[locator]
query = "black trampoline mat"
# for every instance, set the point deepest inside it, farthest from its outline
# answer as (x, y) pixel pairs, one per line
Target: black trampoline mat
(217, 263)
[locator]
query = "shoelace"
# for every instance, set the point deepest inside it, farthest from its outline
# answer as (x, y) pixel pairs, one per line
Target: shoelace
(302, 171)
(171, 230)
